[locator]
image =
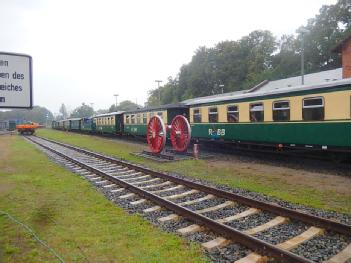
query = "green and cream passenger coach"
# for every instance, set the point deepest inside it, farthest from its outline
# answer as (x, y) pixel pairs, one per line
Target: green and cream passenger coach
(108, 123)
(279, 113)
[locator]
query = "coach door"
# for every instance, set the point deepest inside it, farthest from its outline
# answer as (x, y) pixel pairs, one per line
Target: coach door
(119, 123)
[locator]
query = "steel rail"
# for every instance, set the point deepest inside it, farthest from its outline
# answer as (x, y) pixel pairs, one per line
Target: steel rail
(271, 207)
(251, 242)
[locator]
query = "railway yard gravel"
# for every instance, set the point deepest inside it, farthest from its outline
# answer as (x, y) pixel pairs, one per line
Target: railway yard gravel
(251, 221)
(322, 247)
(228, 254)
(281, 233)
(225, 212)
(205, 204)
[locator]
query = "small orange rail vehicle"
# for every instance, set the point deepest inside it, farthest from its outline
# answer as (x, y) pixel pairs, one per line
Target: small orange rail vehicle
(28, 128)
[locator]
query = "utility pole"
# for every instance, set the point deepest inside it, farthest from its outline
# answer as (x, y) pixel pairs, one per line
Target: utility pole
(92, 106)
(303, 31)
(116, 95)
(159, 92)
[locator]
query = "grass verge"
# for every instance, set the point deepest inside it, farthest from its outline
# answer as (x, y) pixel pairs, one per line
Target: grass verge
(72, 217)
(244, 177)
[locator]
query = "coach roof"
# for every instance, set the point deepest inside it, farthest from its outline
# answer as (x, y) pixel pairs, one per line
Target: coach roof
(318, 80)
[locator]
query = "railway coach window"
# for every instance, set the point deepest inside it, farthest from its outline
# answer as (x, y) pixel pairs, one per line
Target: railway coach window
(197, 115)
(132, 118)
(144, 118)
(138, 118)
(213, 114)
(313, 109)
(127, 119)
(233, 113)
(281, 111)
(256, 112)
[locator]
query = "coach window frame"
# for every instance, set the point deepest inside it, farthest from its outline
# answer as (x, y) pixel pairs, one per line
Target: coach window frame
(213, 114)
(197, 118)
(252, 111)
(312, 109)
(276, 111)
(234, 113)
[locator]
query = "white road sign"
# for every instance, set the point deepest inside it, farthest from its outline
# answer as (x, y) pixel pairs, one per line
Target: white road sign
(15, 81)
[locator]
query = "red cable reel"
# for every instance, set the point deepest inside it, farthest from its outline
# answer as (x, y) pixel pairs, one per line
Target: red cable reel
(156, 134)
(180, 133)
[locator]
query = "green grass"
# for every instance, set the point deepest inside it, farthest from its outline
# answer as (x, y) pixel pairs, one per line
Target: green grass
(72, 217)
(242, 177)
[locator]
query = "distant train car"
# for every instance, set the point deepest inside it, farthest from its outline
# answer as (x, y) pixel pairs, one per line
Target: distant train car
(135, 122)
(60, 125)
(109, 123)
(66, 125)
(12, 125)
(75, 124)
(54, 125)
(87, 125)
(312, 116)
(4, 125)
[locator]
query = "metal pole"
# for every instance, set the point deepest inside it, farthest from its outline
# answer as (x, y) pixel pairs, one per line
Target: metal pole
(302, 60)
(159, 92)
(116, 95)
(303, 31)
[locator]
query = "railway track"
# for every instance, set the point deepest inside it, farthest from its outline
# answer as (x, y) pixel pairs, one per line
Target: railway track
(208, 208)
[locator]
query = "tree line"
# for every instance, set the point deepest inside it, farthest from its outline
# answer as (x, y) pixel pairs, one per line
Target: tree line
(237, 65)
(38, 114)
(85, 110)
(44, 116)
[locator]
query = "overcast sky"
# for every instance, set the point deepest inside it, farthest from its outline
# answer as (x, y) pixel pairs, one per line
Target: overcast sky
(86, 51)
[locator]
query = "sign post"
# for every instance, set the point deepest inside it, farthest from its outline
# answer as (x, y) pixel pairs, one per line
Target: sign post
(16, 89)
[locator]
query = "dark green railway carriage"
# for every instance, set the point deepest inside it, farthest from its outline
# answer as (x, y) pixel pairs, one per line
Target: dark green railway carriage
(75, 124)
(135, 122)
(60, 125)
(55, 125)
(66, 125)
(87, 125)
(312, 116)
(109, 123)
(12, 125)
(4, 125)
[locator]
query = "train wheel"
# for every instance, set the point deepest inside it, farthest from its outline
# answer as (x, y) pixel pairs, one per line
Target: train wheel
(156, 134)
(180, 133)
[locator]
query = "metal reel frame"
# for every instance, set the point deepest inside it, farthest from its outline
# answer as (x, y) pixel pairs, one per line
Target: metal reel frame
(180, 133)
(156, 134)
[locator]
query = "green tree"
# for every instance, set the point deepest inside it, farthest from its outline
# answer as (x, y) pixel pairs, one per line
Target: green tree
(125, 105)
(37, 114)
(63, 111)
(325, 30)
(82, 111)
